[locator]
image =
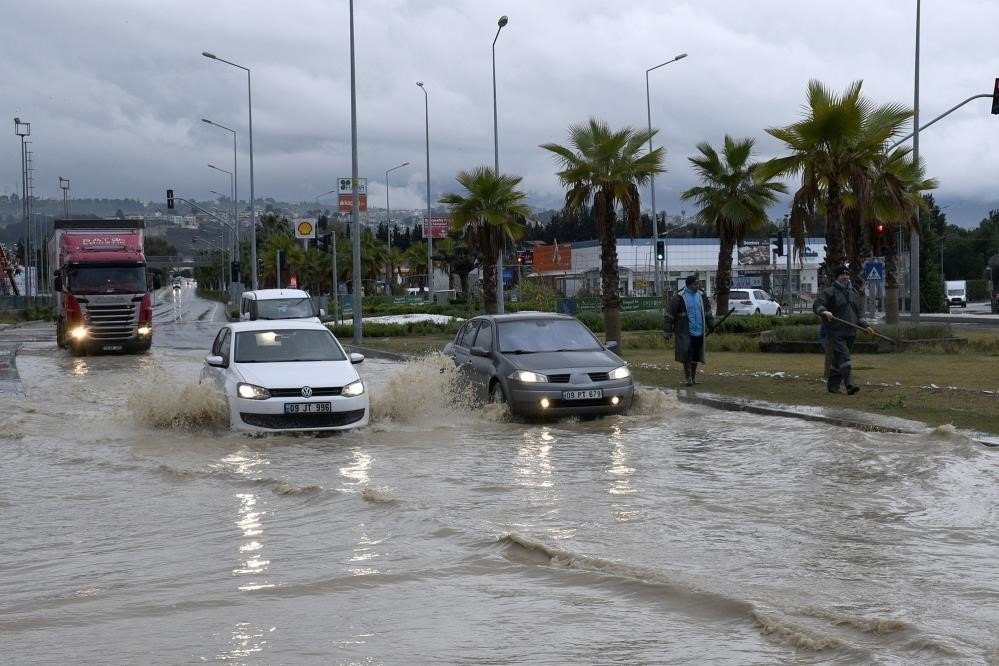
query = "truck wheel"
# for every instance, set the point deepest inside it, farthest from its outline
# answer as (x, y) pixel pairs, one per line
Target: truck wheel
(60, 334)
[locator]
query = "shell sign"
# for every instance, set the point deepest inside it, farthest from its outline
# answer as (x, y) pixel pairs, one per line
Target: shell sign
(552, 258)
(305, 228)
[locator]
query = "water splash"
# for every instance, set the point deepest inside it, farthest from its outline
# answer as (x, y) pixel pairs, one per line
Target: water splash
(425, 389)
(649, 401)
(164, 405)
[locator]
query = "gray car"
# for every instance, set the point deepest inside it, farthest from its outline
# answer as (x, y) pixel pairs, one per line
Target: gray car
(541, 364)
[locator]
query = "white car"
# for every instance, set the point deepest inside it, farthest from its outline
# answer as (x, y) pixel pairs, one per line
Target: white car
(286, 375)
(752, 301)
(278, 304)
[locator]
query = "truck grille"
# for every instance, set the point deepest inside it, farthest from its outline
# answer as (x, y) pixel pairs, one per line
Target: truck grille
(112, 321)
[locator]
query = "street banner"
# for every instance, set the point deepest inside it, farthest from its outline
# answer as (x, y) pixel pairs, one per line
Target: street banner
(347, 202)
(552, 257)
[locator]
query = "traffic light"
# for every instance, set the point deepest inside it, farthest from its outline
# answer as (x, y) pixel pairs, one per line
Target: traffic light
(282, 260)
(779, 244)
(879, 228)
(995, 99)
(520, 259)
(169, 198)
(660, 250)
(234, 271)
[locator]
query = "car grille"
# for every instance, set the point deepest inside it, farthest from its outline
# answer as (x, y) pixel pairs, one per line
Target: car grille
(301, 421)
(594, 402)
(112, 322)
(297, 392)
(564, 379)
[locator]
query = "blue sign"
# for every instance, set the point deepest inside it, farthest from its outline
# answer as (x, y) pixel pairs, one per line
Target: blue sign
(874, 271)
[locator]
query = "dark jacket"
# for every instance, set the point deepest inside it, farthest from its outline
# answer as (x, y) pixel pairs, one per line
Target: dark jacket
(675, 322)
(844, 303)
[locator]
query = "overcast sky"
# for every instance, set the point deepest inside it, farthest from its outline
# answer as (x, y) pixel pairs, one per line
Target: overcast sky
(115, 90)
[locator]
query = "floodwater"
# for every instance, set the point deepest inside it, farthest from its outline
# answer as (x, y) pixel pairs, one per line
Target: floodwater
(136, 529)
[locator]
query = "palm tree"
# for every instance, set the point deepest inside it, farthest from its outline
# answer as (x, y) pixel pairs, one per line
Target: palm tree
(459, 259)
(732, 199)
(605, 168)
(831, 149)
(488, 214)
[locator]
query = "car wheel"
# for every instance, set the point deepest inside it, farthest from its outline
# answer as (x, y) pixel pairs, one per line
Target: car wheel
(496, 394)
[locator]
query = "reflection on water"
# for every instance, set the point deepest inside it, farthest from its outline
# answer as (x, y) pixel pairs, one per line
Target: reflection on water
(358, 471)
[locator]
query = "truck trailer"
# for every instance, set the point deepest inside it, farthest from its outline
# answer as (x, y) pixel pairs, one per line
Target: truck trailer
(102, 302)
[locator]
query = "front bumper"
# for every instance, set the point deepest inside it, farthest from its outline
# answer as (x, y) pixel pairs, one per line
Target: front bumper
(526, 399)
(268, 415)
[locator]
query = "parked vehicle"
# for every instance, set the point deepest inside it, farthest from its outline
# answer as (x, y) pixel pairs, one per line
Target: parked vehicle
(102, 301)
(278, 304)
(280, 376)
(957, 293)
(541, 364)
(752, 301)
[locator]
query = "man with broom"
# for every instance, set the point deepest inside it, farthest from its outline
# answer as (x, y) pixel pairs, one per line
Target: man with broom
(842, 308)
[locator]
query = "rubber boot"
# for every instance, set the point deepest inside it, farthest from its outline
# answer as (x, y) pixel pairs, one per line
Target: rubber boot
(688, 378)
(693, 373)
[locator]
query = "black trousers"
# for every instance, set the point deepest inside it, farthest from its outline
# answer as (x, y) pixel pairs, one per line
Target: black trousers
(841, 368)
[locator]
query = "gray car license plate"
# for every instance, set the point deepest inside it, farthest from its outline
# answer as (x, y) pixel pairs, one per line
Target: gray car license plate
(588, 394)
(308, 408)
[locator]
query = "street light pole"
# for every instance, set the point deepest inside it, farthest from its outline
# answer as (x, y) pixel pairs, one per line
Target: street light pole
(652, 180)
(430, 221)
(235, 189)
(914, 234)
(355, 217)
(232, 188)
(499, 262)
(22, 130)
(253, 207)
(388, 215)
(64, 185)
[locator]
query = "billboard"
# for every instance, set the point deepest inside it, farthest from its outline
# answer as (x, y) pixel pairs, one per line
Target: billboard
(346, 202)
(439, 227)
(754, 252)
(553, 257)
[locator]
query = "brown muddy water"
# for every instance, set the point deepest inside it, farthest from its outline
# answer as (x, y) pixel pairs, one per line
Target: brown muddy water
(136, 529)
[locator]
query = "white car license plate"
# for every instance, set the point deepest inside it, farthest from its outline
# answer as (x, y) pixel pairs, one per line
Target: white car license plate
(111, 348)
(583, 395)
(307, 407)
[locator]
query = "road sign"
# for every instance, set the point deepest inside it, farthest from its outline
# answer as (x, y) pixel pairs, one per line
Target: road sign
(347, 202)
(874, 271)
(344, 185)
(438, 227)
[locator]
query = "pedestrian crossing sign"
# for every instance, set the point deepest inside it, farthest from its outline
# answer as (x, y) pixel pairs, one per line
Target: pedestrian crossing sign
(874, 271)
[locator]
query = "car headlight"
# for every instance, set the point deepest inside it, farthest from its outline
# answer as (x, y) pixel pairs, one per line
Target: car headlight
(353, 389)
(620, 373)
(252, 391)
(528, 377)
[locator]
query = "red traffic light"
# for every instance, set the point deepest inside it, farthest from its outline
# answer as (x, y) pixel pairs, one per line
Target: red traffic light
(880, 228)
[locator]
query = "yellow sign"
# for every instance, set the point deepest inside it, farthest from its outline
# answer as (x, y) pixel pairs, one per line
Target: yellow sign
(305, 228)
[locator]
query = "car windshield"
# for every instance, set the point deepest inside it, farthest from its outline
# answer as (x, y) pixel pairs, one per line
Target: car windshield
(286, 346)
(545, 335)
(738, 295)
(284, 308)
(106, 279)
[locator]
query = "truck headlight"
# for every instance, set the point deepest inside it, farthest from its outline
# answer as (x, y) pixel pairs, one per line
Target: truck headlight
(252, 391)
(145, 330)
(353, 389)
(78, 333)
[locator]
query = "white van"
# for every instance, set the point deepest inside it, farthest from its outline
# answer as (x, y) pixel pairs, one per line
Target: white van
(278, 304)
(957, 293)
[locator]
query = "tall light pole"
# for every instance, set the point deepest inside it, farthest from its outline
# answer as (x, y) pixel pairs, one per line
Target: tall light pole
(253, 207)
(235, 189)
(499, 262)
(388, 216)
(914, 234)
(22, 130)
(652, 180)
(64, 186)
(430, 220)
(232, 199)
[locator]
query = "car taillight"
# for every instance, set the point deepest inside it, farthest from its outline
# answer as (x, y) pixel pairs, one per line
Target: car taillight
(146, 309)
(746, 302)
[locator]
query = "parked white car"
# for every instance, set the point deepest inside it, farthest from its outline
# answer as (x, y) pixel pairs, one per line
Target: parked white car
(286, 375)
(752, 301)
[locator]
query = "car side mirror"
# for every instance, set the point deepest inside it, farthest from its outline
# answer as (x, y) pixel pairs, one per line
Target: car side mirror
(157, 282)
(322, 313)
(611, 345)
(478, 351)
(215, 361)
(356, 358)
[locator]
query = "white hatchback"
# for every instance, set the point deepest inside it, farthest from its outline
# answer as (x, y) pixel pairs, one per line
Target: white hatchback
(286, 375)
(752, 301)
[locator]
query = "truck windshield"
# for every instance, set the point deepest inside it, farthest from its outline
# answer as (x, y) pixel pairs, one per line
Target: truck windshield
(106, 279)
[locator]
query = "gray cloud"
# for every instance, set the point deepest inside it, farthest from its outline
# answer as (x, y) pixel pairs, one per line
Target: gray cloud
(115, 90)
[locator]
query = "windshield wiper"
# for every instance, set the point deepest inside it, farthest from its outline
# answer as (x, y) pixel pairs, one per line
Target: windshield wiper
(520, 351)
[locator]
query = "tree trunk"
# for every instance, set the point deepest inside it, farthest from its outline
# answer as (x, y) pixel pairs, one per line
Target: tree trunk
(891, 279)
(489, 285)
(609, 285)
(835, 242)
(723, 278)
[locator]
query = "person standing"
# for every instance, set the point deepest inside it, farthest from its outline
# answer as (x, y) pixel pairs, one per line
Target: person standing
(842, 308)
(689, 316)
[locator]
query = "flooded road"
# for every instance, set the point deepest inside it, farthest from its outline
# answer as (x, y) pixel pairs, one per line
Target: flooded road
(137, 530)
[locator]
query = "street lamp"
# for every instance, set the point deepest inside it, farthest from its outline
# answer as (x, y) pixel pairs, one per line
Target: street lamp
(232, 200)
(64, 185)
(430, 222)
(253, 208)
(234, 185)
(652, 179)
(22, 130)
(499, 263)
(388, 215)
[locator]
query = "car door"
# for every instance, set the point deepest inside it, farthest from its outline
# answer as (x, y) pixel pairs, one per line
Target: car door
(220, 347)
(459, 348)
(482, 368)
(765, 302)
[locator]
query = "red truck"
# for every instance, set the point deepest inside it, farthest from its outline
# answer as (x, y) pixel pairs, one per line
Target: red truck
(102, 302)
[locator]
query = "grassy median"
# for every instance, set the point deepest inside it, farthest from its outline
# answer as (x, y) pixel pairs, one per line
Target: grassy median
(935, 387)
